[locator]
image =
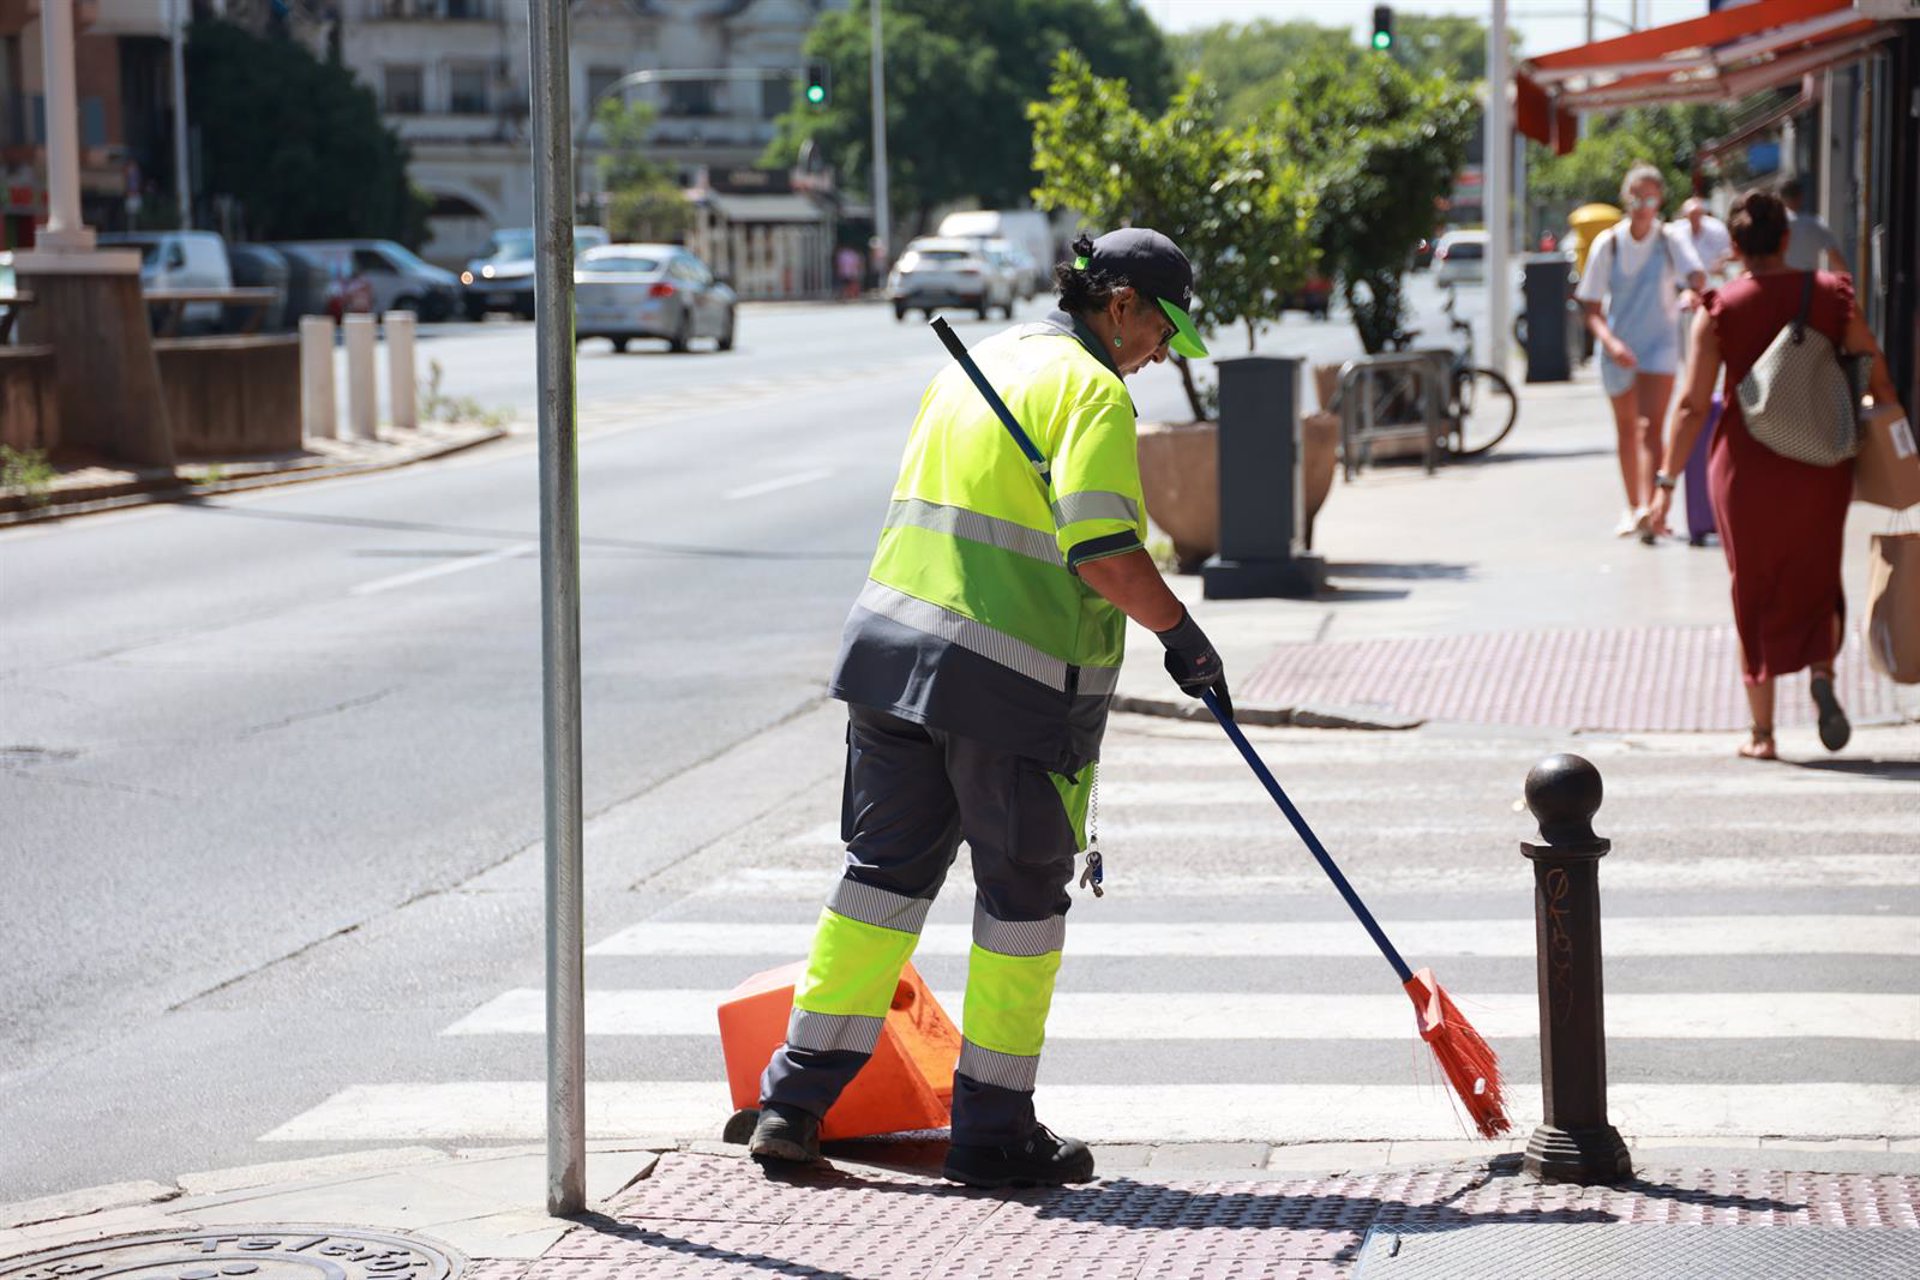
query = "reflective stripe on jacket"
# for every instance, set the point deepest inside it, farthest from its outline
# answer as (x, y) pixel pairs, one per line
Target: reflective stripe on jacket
(974, 618)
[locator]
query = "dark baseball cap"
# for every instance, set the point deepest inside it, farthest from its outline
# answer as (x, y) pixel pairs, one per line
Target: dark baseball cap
(1154, 265)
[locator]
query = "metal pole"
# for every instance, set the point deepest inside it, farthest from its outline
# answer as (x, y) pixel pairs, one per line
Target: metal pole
(882, 214)
(548, 41)
(1498, 163)
(1590, 4)
(182, 176)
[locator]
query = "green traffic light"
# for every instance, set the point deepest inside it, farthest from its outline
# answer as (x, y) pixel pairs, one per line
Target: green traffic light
(816, 94)
(1383, 40)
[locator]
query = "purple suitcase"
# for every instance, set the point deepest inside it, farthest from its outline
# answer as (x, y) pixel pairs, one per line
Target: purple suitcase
(1699, 504)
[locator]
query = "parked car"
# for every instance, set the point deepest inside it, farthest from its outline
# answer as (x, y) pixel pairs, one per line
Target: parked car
(627, 291)
(400, 279)
(256, 266)
(1027, 228)
(1460, 258)
(1018, 264)
(501, 279)
(346, 290)
(181, 260)
(941, 273)
(1314, 296)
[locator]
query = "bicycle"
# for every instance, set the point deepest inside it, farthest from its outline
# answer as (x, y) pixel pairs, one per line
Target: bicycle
(1481, 405)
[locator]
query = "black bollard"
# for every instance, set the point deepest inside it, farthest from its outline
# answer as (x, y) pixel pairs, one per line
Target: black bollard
(1262, 551)
(1574, 1143)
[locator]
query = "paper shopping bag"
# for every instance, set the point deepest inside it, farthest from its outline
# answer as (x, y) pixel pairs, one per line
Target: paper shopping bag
(1886, 471)
(1893, 607)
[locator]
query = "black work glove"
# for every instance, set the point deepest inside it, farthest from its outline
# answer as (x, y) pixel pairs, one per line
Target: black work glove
(1192, 662)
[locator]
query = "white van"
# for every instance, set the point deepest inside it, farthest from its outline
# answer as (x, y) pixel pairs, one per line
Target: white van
(1027, 228)
(181, 260)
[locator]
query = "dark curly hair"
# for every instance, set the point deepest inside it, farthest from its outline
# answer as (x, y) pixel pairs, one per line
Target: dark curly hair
(1083, 292)
(1758, 224)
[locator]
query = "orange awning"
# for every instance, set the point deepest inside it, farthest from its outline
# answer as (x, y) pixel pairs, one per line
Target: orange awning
(1718, 57)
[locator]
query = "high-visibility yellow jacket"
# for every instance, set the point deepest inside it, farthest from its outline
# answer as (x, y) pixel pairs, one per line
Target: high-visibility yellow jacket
(974, 618)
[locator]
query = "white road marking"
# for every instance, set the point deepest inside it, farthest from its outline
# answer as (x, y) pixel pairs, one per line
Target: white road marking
(1664, 873)
(1418, 940)
(1193, 1015)
(516, 1111)
(460, 564)
(778, 483)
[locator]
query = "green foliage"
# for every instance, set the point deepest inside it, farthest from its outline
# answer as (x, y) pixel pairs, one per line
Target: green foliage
(437, 406)
(1227, 196)
(643, 202)
(28, 471)
(1246, 63)
(1382, 146)
(959, 74)
(296, 141)
(1665, 137)
(1442, 45)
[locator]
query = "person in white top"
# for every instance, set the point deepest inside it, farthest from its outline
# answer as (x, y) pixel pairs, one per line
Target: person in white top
(1712, 243)
(1632, 294)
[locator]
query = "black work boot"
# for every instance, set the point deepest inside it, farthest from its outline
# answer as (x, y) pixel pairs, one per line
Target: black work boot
(785, 1134)
(1044, 1160)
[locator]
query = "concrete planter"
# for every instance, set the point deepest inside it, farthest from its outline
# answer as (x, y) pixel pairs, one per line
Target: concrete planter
(1180, 476)
(29, 399)
(232, 397)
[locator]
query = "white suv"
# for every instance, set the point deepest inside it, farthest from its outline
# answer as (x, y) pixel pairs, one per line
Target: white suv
(942, 273)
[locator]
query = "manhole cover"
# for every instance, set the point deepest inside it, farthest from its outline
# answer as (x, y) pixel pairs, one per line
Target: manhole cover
(243, 1253)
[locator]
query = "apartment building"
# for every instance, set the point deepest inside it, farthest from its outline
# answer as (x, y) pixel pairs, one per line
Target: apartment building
(451, 76)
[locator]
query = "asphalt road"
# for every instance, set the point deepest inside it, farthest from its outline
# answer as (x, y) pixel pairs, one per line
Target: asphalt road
(271, 771)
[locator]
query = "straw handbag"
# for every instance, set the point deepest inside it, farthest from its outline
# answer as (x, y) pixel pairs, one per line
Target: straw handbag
(1800, 399)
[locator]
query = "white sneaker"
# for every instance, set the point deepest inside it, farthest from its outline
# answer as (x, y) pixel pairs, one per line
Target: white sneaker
(1631, 522)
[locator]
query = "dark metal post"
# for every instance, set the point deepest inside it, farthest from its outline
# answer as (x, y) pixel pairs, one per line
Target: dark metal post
(1548, 344)
(551, 99)
(1262, 548)
(1574, 1143)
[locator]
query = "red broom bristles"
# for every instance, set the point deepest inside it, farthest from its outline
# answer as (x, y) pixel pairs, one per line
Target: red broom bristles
(1467, 1060)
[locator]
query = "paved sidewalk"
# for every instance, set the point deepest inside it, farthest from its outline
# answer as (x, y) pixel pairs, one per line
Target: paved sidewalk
(84, 490)
(876, 1210)
(1495, 593)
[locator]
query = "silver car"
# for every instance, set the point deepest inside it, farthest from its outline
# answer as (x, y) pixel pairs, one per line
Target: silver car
(627, 291)
(938, 273)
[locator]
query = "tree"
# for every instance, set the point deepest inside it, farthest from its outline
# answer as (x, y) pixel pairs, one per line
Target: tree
(297, 142)
(959, 74)
(1442, 45)
(1382, 146)
(1246, 62)
(1225, 195)
(1665, 137)
(642, 201)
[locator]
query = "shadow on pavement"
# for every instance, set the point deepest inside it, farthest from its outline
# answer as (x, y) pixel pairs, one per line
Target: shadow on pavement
(1413, 571)
(1890, 770)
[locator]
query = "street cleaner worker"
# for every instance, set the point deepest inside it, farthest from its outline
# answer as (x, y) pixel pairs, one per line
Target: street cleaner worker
(978, 664)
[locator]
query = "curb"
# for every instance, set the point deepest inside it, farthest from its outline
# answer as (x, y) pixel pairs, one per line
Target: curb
(1305, 716)
(140, 493)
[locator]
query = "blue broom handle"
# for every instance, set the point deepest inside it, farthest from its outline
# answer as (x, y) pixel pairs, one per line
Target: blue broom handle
(1314, 846)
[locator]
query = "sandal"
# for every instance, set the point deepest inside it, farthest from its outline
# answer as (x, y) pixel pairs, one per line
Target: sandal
(1759, 746)
(1834, 728)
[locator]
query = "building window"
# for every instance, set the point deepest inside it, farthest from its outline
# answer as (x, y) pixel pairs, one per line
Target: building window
(600, 80)
(776, 97)
(467, 91)
(689, 98)
(403, 96)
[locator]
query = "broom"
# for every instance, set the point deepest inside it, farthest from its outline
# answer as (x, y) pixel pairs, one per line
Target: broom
(1465, 1058)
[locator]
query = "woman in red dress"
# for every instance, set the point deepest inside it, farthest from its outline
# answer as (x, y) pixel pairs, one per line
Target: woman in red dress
(1780, 520)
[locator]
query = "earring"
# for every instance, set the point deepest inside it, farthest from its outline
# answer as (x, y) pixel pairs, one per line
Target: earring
(1116, 340)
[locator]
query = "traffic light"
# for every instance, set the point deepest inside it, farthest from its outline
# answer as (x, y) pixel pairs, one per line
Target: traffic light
(817, 84)
(1382, 28)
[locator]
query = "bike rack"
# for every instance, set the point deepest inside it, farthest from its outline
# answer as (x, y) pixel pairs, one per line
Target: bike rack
(1424, 372)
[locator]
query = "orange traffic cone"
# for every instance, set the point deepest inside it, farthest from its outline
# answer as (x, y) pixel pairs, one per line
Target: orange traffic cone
(908, 1084)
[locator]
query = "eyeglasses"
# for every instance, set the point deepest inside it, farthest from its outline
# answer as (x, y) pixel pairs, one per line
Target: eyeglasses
(1167, 337)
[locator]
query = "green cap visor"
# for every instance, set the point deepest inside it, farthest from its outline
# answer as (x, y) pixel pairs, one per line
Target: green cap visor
(1186, 338)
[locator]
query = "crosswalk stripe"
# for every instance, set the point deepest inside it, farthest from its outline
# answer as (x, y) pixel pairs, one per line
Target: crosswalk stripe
(1190, 1015)
(1723, 871)
(1121, 789)
(516, 1111)
(1418, 940)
